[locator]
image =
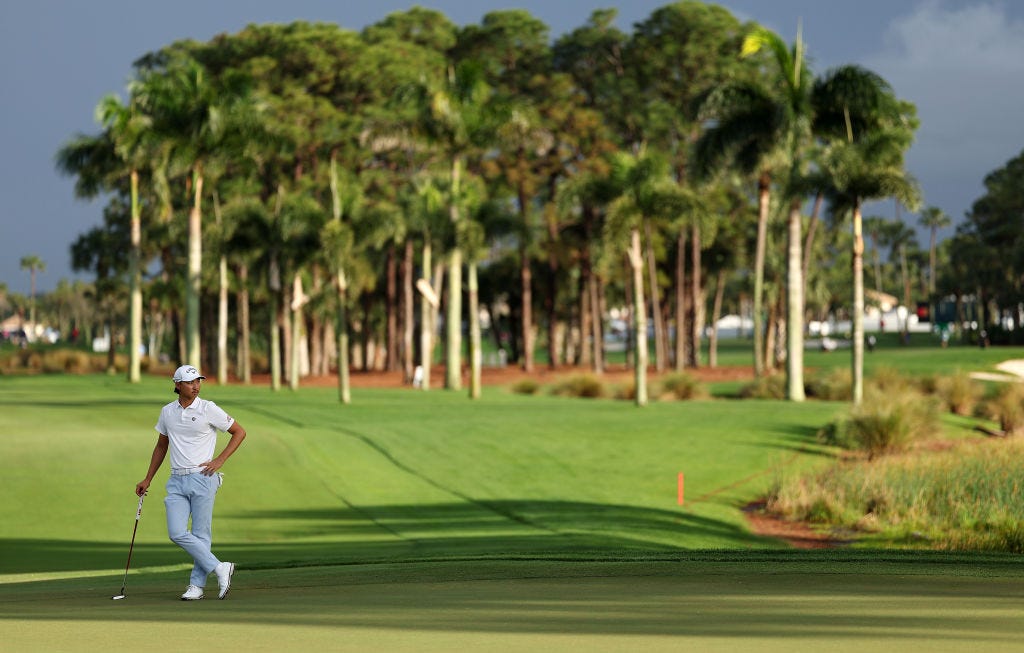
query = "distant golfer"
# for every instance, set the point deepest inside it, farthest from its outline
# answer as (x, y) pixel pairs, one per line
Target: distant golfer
(189, 428)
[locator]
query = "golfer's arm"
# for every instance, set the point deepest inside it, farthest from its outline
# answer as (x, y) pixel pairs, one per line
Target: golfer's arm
(237, 435)
(159, 453)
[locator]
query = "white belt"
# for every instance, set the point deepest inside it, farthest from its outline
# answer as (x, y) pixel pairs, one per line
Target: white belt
(185, 471)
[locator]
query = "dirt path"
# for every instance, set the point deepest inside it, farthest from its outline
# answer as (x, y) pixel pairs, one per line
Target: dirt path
(494, 376)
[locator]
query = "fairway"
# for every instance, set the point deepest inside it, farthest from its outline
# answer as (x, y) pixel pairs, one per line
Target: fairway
(423, 521)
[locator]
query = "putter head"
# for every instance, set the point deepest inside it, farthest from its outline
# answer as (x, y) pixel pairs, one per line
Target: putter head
(118, 597)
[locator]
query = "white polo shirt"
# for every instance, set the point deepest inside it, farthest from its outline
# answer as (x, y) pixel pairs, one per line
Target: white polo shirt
(192, 431)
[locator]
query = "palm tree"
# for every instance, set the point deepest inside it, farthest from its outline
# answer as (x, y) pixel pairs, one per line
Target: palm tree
(765, 130)
(195, 113)
(773, 132)
(861, 170)
(127, 128)
(457, 116)
(645, 191)
(33, 264)
(934, 218)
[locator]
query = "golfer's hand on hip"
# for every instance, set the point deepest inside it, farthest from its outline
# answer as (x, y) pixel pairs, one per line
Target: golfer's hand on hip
(210, 468)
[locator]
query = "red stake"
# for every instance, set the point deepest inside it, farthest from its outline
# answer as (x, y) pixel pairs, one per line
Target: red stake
(680, 497)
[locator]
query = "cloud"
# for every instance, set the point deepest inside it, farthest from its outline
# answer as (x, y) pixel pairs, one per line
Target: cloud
(979, 37)
(962, 64)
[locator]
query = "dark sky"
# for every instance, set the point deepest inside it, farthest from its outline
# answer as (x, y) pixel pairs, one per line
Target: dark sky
(961, 62)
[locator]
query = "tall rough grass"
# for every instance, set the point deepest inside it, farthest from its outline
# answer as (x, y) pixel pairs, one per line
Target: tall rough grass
(959, 392)
(766, 387)
(887, 421)
(964, 498)
(580, 385)
(832, 385)
(1007, 408)
(57, 361)
(681, 386)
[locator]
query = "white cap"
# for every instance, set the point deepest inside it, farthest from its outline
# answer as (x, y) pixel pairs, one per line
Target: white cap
(187, 373)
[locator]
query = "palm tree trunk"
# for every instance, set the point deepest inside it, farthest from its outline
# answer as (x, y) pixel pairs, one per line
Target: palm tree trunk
(475, 354)
(759, 256)
(453, 323)
(682, 339)
(298, 327)
(660, 349)
(795, 307)
(426, 319)
(341, 281)
(812, 227)
(858, 307)
(135, 271)
(244, 351)
(696, 297)
(586, 325)
(905, 278)
(222, 306)
(408, 312)
(341, 331)
(550, 298)
(222, 322)
(931, 264)
(716, 314)
(275, 331)
(526, 281)
(640, 317)
(391, 335)
(195, 263)
(598, 330)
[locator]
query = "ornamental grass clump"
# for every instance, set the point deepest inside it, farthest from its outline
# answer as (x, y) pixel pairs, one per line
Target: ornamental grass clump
(525, 387)
(1007, 408)
(959, 392)
(765, 387)
(581, 385)
(885, 422)
(682, 386)
(833, 385)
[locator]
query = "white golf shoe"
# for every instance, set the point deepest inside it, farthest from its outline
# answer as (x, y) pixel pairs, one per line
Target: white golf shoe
(224, 572)
(193, 593)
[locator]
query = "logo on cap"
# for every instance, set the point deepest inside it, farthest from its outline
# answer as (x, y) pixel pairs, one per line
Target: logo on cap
(187, 373)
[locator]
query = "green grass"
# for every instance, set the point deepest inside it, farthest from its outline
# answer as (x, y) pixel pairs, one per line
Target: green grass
(403, 473)
(413, 521)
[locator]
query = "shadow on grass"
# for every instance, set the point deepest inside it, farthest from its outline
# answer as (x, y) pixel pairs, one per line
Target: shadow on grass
(752, 597)
(347, 535)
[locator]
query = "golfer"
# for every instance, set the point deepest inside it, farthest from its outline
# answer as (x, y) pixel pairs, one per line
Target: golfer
(188, 427)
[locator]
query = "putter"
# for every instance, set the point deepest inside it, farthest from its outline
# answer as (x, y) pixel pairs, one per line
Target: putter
(138, 514)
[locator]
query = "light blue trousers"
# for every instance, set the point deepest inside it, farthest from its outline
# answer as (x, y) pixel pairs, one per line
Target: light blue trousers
(193, 495)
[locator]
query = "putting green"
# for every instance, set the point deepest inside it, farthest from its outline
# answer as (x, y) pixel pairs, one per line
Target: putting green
(762, 602)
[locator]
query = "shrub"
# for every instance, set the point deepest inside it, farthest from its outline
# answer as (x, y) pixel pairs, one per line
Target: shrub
(65, 360)
(885, 422)
(958, 392)
(833, 385)
(765, 387)
(1007, 408)
(626, 391)
(582, 385)
(682, 386)
(525, 387)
